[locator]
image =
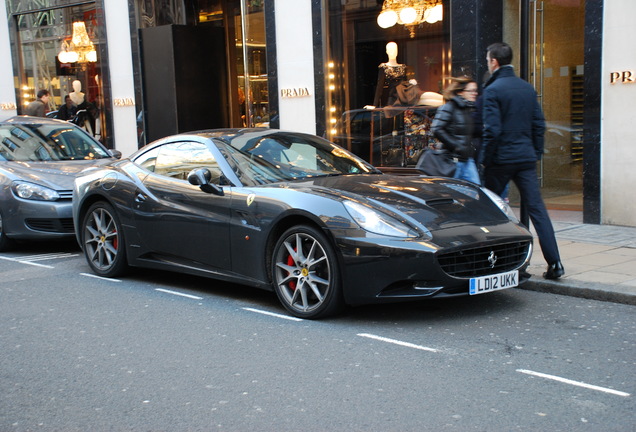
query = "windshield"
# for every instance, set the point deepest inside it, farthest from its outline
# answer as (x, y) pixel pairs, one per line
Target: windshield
(276, 157)
(47, 142)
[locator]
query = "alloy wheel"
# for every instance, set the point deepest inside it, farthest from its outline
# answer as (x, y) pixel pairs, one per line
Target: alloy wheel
(305, 275)
(102, 240)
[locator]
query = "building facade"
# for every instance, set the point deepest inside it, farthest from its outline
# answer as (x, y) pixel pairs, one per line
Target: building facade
(149, 68)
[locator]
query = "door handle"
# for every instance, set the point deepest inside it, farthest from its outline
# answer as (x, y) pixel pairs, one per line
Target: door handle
(140, 198)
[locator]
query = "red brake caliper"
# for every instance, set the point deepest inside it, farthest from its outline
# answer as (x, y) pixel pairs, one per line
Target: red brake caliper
(116, 240)
(290, 262)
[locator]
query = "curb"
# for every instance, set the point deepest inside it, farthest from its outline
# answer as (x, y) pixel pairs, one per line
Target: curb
(587, 290)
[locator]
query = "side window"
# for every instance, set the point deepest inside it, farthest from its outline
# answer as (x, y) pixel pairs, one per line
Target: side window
(176, 160)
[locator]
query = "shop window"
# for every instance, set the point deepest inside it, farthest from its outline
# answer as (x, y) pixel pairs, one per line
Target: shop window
(59, 49)
(383, 85)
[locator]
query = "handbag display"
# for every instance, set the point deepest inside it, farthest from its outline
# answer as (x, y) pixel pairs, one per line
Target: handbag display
(437, 163)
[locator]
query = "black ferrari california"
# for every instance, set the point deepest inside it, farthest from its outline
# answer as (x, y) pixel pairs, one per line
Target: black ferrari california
(298, 215)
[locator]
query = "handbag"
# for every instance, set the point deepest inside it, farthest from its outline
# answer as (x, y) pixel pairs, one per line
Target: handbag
(437, 163)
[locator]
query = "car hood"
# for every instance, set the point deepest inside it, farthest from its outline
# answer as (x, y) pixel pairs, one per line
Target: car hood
(58, 175)
(432, 201)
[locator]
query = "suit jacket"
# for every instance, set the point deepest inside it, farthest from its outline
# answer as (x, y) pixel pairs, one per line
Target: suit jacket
(513, 121)
(35, 108)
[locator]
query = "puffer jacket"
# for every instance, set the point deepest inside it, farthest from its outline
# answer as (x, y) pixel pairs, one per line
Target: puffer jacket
(453, 126)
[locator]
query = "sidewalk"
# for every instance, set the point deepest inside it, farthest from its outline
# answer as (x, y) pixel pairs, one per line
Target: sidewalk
(599, 260)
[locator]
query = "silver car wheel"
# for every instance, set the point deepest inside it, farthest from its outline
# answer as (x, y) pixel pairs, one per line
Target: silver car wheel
(102, 239)
(305, 273)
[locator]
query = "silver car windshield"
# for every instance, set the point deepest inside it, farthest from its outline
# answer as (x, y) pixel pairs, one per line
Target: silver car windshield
(47, 142)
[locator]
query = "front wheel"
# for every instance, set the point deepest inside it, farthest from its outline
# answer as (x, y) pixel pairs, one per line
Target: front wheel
(305, 273)
(103, 241)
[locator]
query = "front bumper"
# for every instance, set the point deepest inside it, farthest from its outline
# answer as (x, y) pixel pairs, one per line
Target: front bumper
(402, 269)
(31, 220)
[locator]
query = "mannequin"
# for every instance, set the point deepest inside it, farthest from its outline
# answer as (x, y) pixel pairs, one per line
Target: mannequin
(77, 96)
(86, 111)
(390, 74)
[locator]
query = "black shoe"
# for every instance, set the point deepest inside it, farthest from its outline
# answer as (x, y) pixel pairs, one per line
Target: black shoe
(555, 271)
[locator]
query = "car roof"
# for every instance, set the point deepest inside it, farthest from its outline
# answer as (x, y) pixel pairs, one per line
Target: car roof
(23, 119)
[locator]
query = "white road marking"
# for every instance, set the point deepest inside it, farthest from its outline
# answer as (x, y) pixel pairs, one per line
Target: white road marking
(287, 317)
(574, 383)
(100, 277)
(26, 262)
(48, 256)
(30, 260)
(397, 342)
(178, 294)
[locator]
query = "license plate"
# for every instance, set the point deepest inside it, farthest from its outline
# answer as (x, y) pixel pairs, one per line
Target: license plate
(484, 284)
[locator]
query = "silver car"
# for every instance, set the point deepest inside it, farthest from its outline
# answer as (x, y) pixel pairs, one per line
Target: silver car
(39, 160)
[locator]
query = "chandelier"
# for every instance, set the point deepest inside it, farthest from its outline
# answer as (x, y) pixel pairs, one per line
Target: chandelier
(80, 48)
(410, 13)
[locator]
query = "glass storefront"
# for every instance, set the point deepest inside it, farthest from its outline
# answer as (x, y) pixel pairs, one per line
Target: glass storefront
(251, 55)
(383, 83)
(224, 40)
(58, 49)
(555, 69)
(361, 117)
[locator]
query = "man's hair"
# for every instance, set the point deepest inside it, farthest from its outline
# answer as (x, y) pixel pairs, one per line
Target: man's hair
(42, 93)
(502, 52)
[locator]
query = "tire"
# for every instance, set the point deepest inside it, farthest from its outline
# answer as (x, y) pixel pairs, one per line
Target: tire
(305, 273)
(6, 244)
(103, 241)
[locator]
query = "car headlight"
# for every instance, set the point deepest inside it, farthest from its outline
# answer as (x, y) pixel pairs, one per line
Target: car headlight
(32, 191)
(503, 206)
(377, 222)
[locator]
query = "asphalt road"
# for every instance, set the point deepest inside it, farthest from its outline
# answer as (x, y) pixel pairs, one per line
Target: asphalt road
(159, 351)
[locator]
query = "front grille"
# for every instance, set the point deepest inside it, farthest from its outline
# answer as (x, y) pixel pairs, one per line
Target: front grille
(479, 261)
(65, 194)
(51, 225)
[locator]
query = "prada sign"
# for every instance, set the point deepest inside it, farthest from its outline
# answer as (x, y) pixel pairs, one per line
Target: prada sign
(294, 92)
(8, 106)
(623, 77)
(120, 102)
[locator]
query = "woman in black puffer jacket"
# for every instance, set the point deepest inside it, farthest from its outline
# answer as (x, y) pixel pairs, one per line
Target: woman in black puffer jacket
(453, 126)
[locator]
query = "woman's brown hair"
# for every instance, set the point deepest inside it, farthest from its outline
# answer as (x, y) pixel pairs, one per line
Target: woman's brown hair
(457, 85)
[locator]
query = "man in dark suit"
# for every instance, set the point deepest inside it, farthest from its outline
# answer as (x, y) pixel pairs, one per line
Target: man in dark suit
(513, 143)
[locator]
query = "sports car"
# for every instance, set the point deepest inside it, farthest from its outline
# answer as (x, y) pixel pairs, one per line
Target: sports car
(298, 215)
(39, 160)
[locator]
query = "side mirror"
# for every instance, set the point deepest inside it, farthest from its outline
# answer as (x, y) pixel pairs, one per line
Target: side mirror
(201, 177)
(115, 153)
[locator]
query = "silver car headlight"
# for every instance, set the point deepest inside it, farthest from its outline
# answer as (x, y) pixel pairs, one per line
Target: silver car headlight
(503, 206)
(377, 222)
(32, 191)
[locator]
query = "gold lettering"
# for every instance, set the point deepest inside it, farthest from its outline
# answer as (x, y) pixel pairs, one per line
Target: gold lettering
(623, 77)
(294, 92)
(8, 106)
(614, 77)
(123, 102)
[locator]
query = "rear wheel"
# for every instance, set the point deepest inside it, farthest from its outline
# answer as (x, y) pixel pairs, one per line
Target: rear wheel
(6, 243)
(305, 273)
(103, 241)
